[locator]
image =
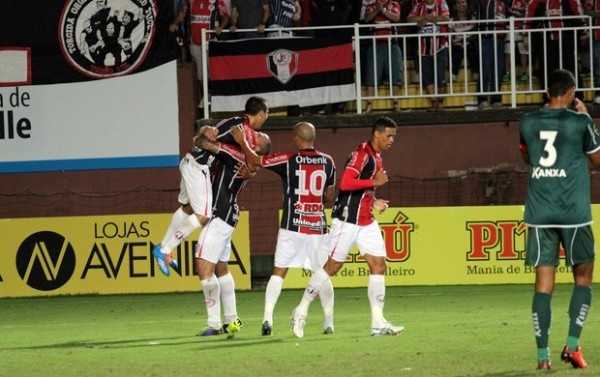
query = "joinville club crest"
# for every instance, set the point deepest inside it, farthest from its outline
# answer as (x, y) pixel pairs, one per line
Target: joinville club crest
(104, 38)
(283, 64)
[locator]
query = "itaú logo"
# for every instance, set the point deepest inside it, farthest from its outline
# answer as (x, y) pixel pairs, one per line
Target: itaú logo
(45, 260)
(539, 172)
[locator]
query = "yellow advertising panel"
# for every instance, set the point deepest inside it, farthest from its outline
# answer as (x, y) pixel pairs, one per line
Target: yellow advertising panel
(102, 254)
(448, 245)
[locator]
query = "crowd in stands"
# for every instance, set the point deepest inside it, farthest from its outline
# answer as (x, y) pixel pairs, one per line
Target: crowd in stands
(485, 56)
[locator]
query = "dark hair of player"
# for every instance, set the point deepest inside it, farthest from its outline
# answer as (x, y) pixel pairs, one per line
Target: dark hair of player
(255, 105)
(382, 123)
(201, 123)
(559, 82)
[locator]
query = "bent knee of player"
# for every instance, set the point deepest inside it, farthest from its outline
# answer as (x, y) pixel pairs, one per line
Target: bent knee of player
(376, 265)
(583, 274)
(203, 220)
(332, 266)
(280, 271)
(221, 269)
(205, 268)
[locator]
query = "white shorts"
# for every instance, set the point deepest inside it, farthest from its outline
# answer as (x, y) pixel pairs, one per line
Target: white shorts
(299, 250)
(214, 244)
(343, 235)
(195, 187)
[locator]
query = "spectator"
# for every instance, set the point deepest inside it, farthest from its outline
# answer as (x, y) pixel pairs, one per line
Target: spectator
(461, 12)
(517, 10)
(179, 28)
(592, 9)
(491, 49)
(378, 55)
(434, 50)
(284, 13)
(204, 16)
(330, 13)
(547, 8)
(249, 14)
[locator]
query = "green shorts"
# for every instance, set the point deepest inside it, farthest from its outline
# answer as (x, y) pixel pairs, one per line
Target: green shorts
(543, 245)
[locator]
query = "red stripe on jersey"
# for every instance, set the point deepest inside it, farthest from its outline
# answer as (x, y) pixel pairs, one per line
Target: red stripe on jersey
(241, 67)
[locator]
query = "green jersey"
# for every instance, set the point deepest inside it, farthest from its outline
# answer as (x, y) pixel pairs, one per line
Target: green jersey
(558, 142)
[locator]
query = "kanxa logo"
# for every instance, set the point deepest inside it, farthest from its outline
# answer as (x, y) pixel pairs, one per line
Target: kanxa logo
(45, 260)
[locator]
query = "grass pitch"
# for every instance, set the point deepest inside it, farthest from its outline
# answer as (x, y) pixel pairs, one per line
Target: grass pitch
(480, 331)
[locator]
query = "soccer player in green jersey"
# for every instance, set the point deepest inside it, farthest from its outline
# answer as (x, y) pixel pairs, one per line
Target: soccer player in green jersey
(557, 143)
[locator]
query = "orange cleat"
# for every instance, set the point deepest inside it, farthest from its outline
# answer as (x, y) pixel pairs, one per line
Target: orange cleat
(575, 357)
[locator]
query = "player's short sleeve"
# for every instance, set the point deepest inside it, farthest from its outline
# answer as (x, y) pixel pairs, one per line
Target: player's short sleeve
(276, 162)
(444, 10)
(224, 127)
(591, 137)
(357, 161)
(331, 173)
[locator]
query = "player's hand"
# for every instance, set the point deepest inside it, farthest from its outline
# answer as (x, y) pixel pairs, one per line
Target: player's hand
(380, 178)
(580, 106)
(218, 30)
(260, 28)
(243, 171)
(232, 28)
(381, 205)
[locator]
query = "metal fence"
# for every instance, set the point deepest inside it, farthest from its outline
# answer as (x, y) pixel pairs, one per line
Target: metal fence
(569, 47)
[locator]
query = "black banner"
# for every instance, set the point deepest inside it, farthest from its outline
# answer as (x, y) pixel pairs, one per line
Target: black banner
(80, 40)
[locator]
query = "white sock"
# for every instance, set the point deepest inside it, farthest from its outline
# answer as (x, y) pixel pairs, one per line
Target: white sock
(312, 290)
(212, 300)
(184, 229)
(376, 292)
(176, 221)
(271, 296)
(228, 298)
(326, 296)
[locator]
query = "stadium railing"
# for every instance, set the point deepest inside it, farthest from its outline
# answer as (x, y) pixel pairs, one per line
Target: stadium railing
(464, 85)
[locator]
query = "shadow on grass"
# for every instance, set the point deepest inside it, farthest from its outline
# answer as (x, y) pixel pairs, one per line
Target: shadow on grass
(93, 344)
(515, 373)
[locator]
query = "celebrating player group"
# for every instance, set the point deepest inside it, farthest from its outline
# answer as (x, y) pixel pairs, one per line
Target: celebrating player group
(556, 142)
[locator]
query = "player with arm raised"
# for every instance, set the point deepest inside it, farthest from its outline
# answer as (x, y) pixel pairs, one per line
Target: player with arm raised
(352, 223)
(214, 245)
(195, 194)
(308, 177)
(558, 143)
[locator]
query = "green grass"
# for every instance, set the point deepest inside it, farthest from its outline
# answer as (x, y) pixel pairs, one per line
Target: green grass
(451, 331)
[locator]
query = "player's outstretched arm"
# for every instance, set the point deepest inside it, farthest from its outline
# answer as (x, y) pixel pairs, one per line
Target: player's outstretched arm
(594, 159)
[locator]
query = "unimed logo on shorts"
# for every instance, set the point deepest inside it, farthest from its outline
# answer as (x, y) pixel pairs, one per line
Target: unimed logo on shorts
(45, 260)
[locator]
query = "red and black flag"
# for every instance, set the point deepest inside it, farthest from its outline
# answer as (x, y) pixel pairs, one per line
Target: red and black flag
(285, 71)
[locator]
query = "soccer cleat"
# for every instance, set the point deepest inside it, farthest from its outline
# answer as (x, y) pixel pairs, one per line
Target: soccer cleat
(233, 327)
(328, 330)
(266, 329)
(209, 331)
(544, 364)
(160, 259)
(174, 264)
(386, 329)
(575, 357)
(297, 323)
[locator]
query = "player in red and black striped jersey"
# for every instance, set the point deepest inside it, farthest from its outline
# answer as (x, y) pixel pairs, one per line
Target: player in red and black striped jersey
(308, 178)
(352, 223)
(195, 194)
(214, 245)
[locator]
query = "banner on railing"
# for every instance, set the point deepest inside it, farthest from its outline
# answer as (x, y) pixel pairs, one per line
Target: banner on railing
(448, 245)
(54, 112)
(102, 254)
(285, 71)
